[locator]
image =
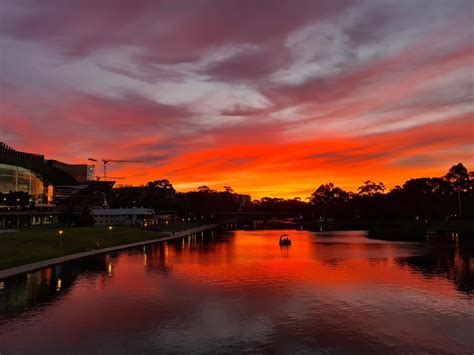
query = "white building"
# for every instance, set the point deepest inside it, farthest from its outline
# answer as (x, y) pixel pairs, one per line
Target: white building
(123, 216)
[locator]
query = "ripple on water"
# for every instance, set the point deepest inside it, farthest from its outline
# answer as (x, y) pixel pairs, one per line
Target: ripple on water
(327, 293)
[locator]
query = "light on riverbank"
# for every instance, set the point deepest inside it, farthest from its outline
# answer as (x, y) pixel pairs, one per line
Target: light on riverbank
(60, 240)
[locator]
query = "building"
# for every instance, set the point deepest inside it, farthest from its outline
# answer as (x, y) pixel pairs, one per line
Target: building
(49, 181)
(80, 172)
(123, 216)
(165, 217)
(12, 219)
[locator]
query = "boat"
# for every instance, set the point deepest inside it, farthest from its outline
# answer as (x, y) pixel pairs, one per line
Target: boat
(284, 240)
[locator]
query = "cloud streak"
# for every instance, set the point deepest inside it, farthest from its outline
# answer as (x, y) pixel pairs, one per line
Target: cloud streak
(269, 97)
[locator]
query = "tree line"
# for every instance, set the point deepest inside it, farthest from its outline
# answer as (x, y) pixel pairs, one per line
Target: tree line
(441, 198)
(447, 197)
(450, 196)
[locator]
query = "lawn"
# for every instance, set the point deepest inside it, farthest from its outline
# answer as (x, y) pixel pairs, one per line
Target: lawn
(31, 245)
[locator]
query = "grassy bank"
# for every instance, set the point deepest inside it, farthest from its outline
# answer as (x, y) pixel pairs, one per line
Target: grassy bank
(31, 245)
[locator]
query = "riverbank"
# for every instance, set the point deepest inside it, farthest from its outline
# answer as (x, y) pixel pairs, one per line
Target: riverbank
(32, 249)
(415, 231)
(421, 232)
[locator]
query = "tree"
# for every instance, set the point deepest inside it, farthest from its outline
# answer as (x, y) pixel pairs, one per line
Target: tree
(229, 189)
(323, 194)
(204, 189)
(84, 218)
(458, 177)
(327, 196)
(417, 197)
(371, 188)
(164, 186)
(70, 216)
(396, 190)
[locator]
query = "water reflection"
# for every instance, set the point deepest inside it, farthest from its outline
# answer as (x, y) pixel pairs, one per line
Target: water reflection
(41, 288)
(156, 258)
(241, 291)
(454, 262)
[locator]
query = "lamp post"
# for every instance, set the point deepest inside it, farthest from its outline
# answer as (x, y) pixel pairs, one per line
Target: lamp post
(60, 241)
(110, 235)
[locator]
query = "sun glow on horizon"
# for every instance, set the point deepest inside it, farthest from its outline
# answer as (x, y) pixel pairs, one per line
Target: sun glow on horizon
(316, 93)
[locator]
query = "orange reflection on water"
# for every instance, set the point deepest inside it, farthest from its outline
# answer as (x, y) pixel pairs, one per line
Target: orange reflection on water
(344, 287)
(319, 261)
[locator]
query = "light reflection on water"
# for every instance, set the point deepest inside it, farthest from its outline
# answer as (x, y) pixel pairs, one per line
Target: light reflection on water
(338, 292)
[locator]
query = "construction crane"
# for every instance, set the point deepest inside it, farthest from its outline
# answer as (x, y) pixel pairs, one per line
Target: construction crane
(105, 162)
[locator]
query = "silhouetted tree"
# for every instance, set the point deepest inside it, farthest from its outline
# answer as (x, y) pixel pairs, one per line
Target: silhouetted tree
(164, 186)
(327, 197)
(83, 218)
(458, 177)
(70, 216)
(204, 188)
(272, 204)
(371, 188)
(435, 198)
(229, 189)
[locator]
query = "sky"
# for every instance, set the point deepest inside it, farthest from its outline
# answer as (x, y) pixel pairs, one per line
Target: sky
(272, 98)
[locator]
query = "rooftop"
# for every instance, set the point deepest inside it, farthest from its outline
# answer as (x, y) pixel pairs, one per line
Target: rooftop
(121, 211)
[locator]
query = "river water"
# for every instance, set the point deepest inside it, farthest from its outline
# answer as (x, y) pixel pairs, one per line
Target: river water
(241, 292)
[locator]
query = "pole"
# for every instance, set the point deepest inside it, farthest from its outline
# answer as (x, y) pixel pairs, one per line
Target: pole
(60, 241)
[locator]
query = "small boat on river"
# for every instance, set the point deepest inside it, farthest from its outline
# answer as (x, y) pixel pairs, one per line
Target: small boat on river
(284, 240)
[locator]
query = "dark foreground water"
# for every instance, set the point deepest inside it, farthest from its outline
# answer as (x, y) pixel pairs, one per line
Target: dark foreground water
(332, 293)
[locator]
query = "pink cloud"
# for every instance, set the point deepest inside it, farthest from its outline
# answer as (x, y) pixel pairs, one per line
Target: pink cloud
(200, 90)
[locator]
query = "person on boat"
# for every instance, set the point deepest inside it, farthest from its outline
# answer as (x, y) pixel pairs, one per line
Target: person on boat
(284, 240)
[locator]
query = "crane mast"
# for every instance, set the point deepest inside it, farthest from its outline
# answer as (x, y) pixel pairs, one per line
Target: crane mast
(105, 163)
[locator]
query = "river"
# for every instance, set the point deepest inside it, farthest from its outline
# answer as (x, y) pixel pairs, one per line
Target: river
(240, 291)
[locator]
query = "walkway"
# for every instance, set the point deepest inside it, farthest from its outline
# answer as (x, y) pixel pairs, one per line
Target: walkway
(44, 263)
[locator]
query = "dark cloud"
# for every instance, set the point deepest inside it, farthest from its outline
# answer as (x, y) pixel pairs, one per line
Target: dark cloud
(168, 31)
(352, 156)
(242, 110)
(160, 80)
(415, 161)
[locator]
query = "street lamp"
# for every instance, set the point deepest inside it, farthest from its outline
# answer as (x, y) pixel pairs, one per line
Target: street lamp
(60, 240)
(110, 235)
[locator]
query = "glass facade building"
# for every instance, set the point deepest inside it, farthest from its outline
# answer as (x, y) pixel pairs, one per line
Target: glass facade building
(16, 178)
(49, 181)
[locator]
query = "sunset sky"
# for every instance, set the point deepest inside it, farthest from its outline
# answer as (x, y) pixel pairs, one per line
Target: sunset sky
(270, 97)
